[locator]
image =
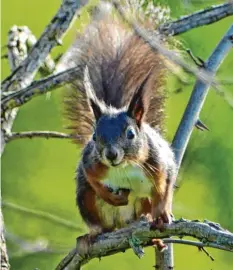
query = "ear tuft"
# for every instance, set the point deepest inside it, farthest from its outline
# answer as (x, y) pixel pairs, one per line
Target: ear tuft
(140, 101)
(92, 98)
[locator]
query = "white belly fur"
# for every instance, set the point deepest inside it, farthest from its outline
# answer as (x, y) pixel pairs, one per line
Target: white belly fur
(130, 177)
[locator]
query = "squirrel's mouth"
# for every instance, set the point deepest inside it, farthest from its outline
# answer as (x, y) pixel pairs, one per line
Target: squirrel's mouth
(115, 164)
(109, 163)
(113, 157)
(123, 163)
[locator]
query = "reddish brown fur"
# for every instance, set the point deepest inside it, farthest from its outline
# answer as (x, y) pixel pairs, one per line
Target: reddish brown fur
(89, 204)
(94, 176)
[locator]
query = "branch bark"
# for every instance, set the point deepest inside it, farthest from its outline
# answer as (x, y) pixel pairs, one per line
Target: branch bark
(207, 232)
(50, 38)
(197, 19)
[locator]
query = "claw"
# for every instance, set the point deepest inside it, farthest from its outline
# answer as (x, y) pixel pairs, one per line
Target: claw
(160, 219)
(157, 224)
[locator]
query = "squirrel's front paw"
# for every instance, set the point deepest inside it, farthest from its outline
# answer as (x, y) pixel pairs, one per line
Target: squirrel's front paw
(121, 199)
(118, 197)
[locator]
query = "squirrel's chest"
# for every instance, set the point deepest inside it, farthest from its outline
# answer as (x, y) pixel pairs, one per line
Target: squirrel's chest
(129, 177)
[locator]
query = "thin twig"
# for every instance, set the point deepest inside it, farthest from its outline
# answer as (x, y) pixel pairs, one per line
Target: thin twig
(201, 246)
(50, 38)
(197, 19)
(39, 134)
(194, 243)
(42, 214)
(207, 253)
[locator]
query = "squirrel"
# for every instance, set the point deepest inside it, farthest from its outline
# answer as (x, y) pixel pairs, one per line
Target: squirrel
(116, 110)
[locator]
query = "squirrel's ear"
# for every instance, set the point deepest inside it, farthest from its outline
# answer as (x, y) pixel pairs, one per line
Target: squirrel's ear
(140, 101)
(92, 98)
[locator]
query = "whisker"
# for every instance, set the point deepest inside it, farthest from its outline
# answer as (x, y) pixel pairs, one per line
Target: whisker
(153, 168)
(142, 167)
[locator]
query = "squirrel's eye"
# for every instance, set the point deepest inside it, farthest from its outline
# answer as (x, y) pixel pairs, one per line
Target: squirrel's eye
(94, 137)
(130, 134)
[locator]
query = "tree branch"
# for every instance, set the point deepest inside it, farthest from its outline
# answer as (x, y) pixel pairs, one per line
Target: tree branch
(17, 52)
(196, 244)
(197, 99)
(39, 134)
(110, 243)
(197, 19)
(39, 87)
(50, 38)
(20, 41)
(42, 214)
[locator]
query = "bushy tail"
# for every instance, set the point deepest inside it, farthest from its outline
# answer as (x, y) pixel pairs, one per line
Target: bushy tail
(118, 61)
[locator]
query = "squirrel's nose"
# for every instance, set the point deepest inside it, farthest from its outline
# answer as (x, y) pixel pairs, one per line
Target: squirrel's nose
(111, 154)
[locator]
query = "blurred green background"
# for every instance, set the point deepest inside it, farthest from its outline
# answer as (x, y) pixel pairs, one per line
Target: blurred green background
(38, 174)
